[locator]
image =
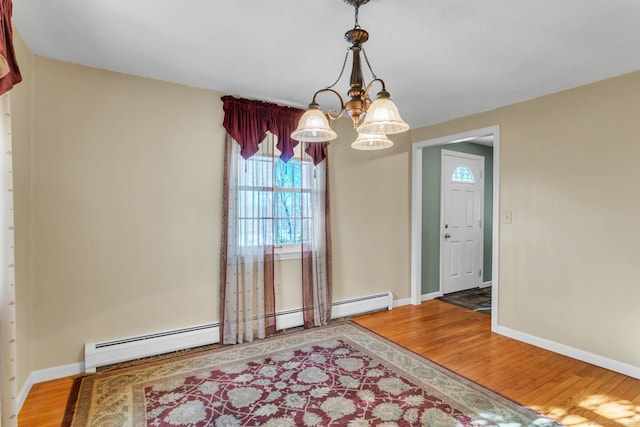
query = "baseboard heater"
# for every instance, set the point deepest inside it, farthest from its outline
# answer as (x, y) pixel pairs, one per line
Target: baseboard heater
(105, 353)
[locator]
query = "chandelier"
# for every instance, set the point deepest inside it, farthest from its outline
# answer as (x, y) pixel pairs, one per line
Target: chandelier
(373, 120)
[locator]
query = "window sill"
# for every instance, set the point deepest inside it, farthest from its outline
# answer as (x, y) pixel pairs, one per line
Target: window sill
(286, 252)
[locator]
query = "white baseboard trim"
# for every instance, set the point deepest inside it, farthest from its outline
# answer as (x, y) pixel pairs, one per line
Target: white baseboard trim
(24, 392)
(289, 320)
(401, 302)
(430, 296)
(57, 372)
(585, 356)
(46, 375)
(486, 284)
(423, 298)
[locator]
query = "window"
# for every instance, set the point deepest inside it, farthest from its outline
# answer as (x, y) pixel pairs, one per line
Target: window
(462, 174)
(272, 203)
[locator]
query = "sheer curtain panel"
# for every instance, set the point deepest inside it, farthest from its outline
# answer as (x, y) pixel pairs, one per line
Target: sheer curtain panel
(8, 368)
(247, 285)
(316, 241)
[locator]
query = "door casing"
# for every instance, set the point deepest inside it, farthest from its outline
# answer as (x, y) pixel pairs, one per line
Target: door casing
(416, 214)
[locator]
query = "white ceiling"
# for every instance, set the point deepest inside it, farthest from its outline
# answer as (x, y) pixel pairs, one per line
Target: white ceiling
(440, 59)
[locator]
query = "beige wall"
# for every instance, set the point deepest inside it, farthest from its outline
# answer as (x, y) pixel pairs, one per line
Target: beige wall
(126, 207)
(21, 125)
(569, 173)
(126, 210)
(370, 210)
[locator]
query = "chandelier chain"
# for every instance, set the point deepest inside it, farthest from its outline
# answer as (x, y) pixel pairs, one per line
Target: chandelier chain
(369, 64)
(344, 64)
(357, 8)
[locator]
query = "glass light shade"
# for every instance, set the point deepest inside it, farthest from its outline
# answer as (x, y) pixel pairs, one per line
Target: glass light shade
(366, 141)
(313, 127)
(383, 118)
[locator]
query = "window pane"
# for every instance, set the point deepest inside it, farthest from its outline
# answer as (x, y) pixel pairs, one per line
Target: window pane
(254, 232)
(284, 174)
(242, 232)
(306, 228)
(254, 203)
(305, 200)
(286, 232)
(266, 204)
(266, 214)
(289, 175)
(297, 175)
(462, 174)
(298, 204)
(285, 204)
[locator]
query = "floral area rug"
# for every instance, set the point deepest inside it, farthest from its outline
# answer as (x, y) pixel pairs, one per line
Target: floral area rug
(339, 375)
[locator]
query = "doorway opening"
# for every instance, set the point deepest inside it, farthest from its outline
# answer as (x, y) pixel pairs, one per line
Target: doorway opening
(430, 234)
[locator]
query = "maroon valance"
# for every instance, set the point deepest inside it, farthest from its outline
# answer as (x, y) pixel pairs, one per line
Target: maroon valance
(9, 71)
(317, 151)
(247, 121)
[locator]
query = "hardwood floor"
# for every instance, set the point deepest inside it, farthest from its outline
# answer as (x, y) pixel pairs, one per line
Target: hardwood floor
(572, 392)
(45, 403)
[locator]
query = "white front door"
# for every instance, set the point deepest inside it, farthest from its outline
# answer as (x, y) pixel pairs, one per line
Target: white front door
(462, 206)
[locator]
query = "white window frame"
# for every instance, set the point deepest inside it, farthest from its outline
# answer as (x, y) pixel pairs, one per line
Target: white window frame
(293, 250)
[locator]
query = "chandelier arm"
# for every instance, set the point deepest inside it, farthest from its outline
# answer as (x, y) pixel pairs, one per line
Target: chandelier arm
(344, 64)
(367, 100)
(330, 114)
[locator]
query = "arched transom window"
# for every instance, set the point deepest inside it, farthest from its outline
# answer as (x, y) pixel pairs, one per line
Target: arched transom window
(462, 174)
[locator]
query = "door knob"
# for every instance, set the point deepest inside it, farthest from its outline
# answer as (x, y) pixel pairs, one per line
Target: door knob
(447, 235)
